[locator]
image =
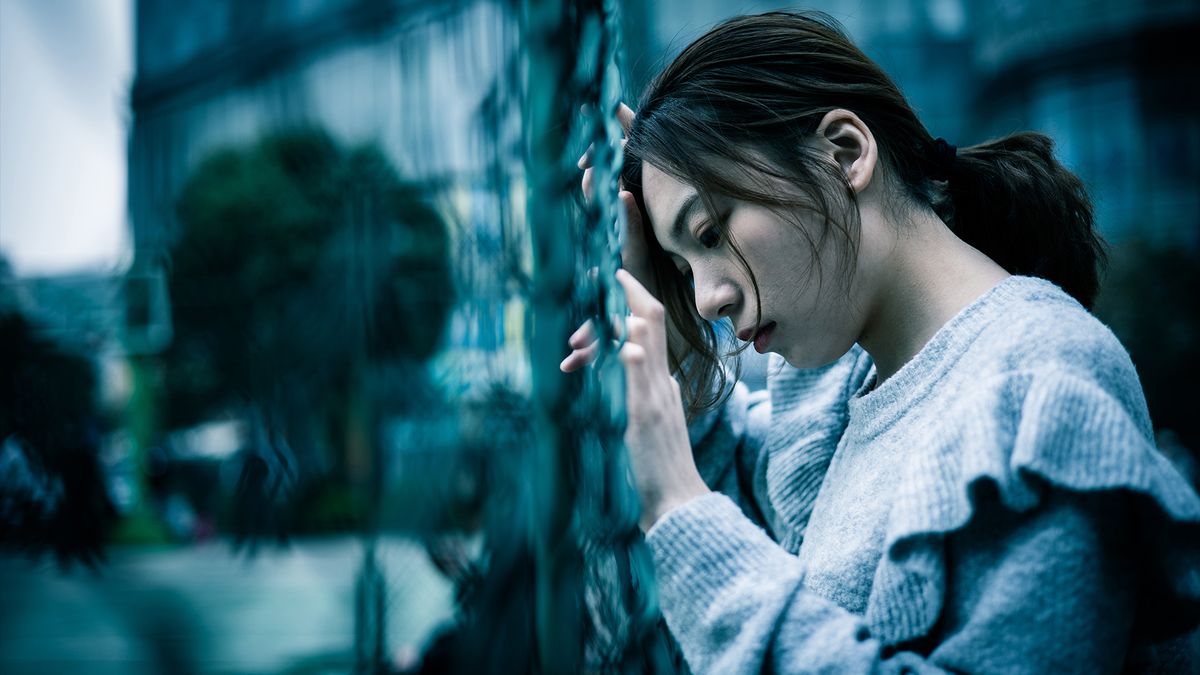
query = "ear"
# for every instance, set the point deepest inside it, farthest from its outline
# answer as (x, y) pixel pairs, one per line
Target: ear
(851, 146)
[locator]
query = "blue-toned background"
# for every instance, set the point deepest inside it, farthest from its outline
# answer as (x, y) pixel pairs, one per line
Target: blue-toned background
(150, 153)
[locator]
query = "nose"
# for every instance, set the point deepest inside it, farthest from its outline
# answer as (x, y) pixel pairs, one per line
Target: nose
(716, 298)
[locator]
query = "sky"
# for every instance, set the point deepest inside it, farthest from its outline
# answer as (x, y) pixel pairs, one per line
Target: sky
(66, 67)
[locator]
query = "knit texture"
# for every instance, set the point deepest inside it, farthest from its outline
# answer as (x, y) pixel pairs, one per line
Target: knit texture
(997, 505)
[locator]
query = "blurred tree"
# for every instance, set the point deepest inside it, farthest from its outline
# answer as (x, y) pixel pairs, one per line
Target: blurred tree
(297, 256)
(298, 266)
(53, 495)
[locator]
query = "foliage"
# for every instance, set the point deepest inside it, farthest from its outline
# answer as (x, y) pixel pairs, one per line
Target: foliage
(300, 268)
(53, 497)
(295, 259)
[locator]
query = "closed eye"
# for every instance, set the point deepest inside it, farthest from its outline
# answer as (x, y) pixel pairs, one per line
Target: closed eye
(709, 237)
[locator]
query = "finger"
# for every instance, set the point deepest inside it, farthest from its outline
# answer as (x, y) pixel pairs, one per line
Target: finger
(651, 335)
(645, 333)
(639, 330)
(625, 115)
(586, 184)
(585, 160)
(583, 335)
(634, 357)
(579, 358)
(637, 372)
(640, 301)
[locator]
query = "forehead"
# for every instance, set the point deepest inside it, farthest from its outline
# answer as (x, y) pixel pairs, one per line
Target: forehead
(664, 195)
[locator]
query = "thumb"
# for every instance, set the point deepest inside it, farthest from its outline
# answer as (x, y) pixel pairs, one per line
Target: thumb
(625, 116)
(634, 255)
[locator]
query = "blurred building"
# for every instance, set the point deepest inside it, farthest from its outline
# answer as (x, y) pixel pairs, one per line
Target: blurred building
(1114, 83)
(81, 314)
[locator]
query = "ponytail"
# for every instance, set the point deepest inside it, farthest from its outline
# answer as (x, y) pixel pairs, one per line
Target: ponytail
(1015, 202)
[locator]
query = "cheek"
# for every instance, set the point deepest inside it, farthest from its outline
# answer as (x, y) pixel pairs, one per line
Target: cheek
(788, 275)
(820, 321)
(793, 276)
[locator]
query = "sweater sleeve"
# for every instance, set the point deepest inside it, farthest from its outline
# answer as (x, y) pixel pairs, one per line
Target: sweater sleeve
(1047, 591)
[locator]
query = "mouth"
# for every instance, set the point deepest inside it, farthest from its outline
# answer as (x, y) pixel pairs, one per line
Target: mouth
(761, 337)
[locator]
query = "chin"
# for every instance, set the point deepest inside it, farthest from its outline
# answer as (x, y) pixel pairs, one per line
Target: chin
(814, 356)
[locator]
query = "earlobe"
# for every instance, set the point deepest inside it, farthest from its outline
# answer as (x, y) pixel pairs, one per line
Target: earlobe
(851, 145)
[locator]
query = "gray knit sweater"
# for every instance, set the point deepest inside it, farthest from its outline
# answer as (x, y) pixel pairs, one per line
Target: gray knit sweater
(998, 505)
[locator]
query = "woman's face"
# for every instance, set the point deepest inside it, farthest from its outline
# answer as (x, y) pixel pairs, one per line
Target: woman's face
(808, 312)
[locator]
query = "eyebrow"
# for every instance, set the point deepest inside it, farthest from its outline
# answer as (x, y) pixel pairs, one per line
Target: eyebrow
(690, 203)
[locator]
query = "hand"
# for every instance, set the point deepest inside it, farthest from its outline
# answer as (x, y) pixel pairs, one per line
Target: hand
(660, 454)
(583, 342)
(448, 553)
(634, 255)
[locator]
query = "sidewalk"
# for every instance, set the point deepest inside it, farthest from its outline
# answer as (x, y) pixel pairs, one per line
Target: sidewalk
(204, 609)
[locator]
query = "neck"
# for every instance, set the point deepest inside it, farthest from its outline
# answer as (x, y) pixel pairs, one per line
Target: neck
(926, 277)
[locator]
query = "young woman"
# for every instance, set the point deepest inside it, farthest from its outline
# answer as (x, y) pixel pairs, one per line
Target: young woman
(953, 467)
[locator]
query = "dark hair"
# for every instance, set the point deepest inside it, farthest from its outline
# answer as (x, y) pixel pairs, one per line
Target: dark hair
(750, 92)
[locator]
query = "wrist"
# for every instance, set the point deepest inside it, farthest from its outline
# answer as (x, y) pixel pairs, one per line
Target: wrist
(654, 508)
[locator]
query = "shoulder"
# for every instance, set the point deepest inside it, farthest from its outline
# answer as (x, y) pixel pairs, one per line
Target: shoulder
(1049, 396)
(1046, 409)
(1040, 403)
(1040, 342)
(1038, 327)
(1044, 397)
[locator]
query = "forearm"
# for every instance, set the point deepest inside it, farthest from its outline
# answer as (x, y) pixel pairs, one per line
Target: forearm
(1025, 593)
(735, 601)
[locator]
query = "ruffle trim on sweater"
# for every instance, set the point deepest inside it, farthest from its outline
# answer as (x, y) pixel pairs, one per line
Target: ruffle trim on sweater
(1031, 433)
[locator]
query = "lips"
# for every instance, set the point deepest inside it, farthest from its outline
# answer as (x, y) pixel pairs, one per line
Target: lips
(761, 337)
